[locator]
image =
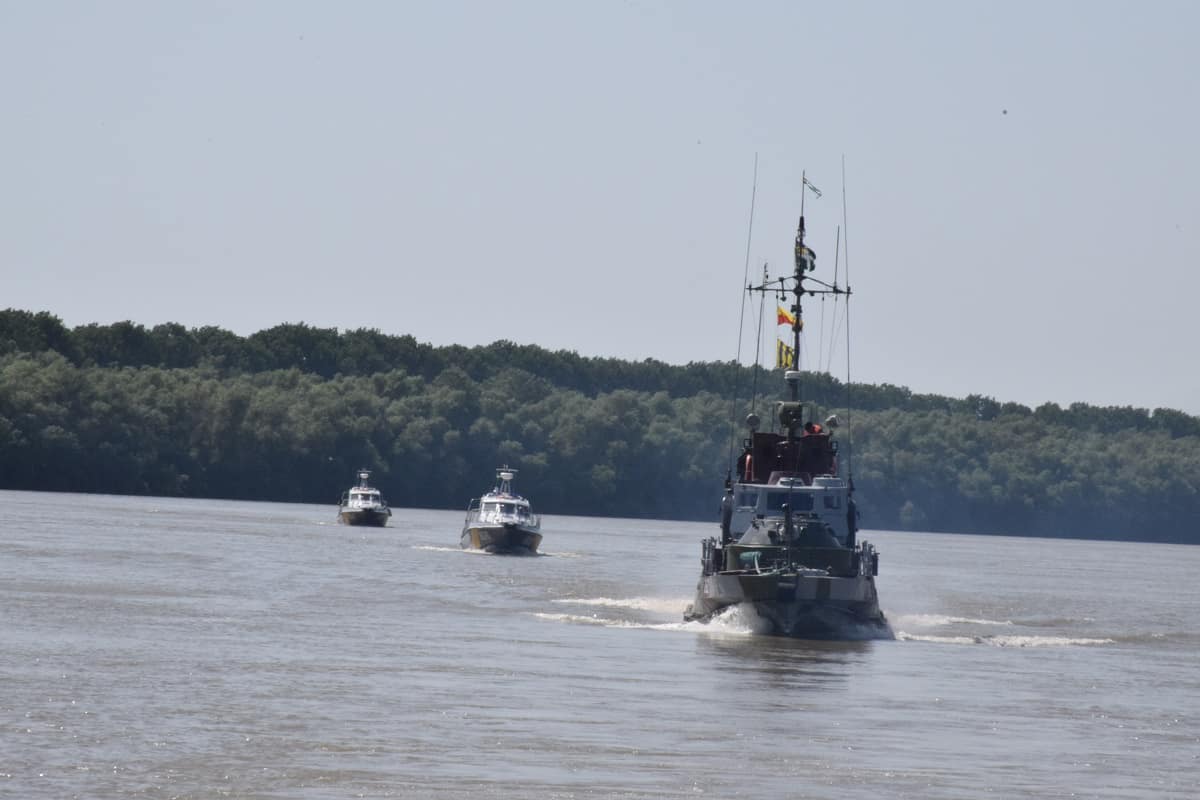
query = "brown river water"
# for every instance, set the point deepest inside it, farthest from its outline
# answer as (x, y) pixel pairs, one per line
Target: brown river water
(165, 648)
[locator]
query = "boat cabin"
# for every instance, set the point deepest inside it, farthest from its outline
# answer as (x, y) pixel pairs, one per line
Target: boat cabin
(497, 509)
(797, 469)
(363, 498)
(502, 506)
(825, 497)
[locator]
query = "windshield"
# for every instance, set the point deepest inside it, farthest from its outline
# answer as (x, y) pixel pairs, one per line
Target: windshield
(797, 501)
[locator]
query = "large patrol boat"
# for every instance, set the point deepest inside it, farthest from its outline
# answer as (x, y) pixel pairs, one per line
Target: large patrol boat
(789, 543)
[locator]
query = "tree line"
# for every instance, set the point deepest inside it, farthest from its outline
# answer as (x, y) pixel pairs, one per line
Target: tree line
(289, 413)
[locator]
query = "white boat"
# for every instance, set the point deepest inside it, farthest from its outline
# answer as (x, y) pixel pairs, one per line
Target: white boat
(502, 521)
(789, 527)
(363, 504)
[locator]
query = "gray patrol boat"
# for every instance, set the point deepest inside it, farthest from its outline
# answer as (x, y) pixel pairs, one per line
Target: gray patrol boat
(789, 542)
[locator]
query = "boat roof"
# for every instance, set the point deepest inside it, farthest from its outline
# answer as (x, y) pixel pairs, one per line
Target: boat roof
(504, 497)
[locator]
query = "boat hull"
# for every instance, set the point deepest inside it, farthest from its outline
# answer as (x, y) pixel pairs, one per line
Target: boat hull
(796, 605)
(501, 539)
(364, 516)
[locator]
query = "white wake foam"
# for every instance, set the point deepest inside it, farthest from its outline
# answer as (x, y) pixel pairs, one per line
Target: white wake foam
(740, 619)
(735, 621)
(1006, 641)
(938, 620)
(594, 619)
(657, 605)
(441, 549)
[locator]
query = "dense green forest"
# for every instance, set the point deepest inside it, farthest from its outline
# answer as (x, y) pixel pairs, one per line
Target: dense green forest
(290, 412)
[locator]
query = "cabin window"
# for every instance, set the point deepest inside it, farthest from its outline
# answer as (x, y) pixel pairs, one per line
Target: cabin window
(833, 501)
(747, 499)
(796, 502)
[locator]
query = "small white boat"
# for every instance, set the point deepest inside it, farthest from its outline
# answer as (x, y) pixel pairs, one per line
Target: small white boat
(363, 504)
(501, 521)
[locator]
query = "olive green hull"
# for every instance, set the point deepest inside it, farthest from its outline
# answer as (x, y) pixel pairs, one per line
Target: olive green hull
(795, 604)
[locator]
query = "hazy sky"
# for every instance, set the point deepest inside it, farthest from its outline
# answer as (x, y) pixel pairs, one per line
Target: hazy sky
(1023, 178)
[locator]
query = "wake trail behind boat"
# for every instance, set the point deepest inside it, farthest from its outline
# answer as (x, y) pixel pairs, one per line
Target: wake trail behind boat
(1007, 641)
(432, 548)
(930, 628)
(937, 620)
(658, 605)
(717, 626)
(737, 620)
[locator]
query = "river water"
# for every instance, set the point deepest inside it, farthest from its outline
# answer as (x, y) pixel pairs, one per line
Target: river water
(169, 648)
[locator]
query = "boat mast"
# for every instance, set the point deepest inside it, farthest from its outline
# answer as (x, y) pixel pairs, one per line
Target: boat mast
(804, 259)
(805, 262)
